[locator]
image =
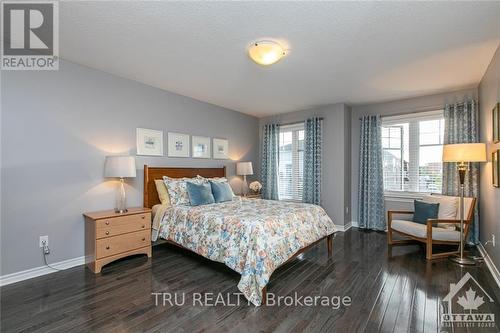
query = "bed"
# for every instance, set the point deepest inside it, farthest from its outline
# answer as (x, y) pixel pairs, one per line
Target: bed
(251, 236)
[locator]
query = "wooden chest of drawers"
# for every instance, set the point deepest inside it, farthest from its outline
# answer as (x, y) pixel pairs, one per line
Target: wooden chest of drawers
(110, 236)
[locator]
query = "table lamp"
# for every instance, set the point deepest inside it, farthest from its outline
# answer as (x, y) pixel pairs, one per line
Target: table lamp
(244, 169)
(463, 154)
(120, 167)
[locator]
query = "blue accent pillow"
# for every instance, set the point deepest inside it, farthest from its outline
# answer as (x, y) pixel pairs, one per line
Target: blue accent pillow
(222, 191)
(199, 194)
(424, 211)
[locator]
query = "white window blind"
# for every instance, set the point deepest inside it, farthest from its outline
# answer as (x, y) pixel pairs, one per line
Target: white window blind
(412, 152)
(291, 157)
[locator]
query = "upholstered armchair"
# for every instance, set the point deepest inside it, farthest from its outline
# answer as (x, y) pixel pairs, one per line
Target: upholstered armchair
(436, 231)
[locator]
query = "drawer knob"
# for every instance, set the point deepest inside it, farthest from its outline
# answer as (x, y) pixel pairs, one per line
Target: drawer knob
(107, 222)
(107, 247)
(143, 226)
(143, 239)
(143, 217)
(107, 232)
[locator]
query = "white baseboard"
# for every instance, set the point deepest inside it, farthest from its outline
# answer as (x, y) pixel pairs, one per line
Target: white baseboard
(490, 264)
(344, 227)
(39, 271)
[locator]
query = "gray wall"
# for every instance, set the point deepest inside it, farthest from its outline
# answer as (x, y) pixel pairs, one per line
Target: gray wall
(57, 127)
(489, 202)
(426, 103)
(335, 177)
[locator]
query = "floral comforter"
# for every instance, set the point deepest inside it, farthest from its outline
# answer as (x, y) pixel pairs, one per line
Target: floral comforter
(251, 236)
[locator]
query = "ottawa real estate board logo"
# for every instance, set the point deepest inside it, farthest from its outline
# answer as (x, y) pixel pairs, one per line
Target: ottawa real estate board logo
(466, 305)
(30, 35)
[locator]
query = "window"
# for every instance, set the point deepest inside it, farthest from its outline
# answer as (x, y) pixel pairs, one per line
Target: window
(412, 152)
(291, 156)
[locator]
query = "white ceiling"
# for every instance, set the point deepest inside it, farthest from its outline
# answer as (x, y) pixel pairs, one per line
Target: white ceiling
(351, 52)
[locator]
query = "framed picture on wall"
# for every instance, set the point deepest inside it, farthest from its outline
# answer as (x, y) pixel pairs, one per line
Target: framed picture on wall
(496, 167)
(221, 149)
(496, 123)
(149, 142)
(178, 145)
(200, 147)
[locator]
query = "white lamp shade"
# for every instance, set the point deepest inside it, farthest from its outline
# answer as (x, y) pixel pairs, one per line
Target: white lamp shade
(464, 152)
(244, 168)
(119, 166)
(266, 52)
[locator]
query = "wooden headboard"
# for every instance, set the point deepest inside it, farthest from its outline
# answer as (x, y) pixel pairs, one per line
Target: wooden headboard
(152, 173)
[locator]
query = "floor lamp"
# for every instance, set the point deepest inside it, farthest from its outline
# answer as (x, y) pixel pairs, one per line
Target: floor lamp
(463, 154)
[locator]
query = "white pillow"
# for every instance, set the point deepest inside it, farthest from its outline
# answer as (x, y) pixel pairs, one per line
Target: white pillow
(214, 179)
(447, 209)
(177, 189)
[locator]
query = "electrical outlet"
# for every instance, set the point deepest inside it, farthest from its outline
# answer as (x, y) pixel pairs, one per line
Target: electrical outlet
(347, 210)
(44, 239)
(493, 240)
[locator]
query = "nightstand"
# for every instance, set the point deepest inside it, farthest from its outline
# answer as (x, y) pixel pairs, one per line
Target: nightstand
(251, 196)
(110, 236)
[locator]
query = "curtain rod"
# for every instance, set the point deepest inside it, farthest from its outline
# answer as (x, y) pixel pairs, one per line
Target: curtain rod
(428, 108)
(406, 113)
(293, 123)
(437, 108)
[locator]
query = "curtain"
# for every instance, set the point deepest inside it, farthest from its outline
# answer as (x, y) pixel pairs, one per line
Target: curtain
(371, 210)
(312, 161)
(269, 164)
(461, 126)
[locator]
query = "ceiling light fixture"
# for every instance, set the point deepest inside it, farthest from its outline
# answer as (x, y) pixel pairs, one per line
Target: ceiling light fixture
(266, 52)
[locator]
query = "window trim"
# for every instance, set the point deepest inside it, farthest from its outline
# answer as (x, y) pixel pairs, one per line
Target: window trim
(409, 196)
(404, 196)
(401, 151)
(298, 126)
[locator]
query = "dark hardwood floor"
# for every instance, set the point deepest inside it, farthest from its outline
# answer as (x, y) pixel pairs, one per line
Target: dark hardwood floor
(396, 293)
